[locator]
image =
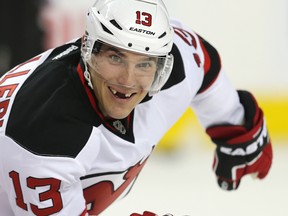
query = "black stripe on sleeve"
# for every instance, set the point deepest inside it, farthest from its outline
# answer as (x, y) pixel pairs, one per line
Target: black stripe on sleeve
(211, 73)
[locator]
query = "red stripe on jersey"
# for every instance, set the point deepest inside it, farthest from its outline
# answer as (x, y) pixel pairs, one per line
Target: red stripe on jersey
(128, 120)
(84, 213)
(207, 60)
(30, 60)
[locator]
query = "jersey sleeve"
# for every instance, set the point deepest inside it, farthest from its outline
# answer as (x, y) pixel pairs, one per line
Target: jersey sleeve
(212, 97)
(216, 101)
(219, 104)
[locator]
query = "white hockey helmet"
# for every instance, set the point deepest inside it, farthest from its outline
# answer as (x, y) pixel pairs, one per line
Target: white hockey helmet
(140, 26)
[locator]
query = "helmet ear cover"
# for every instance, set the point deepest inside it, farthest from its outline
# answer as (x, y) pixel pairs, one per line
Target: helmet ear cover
(96, 47)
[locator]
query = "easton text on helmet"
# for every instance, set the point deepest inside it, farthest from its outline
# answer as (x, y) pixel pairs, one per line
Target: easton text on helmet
(142, 31)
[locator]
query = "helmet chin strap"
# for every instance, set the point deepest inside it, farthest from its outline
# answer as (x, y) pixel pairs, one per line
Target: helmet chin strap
(87, 75)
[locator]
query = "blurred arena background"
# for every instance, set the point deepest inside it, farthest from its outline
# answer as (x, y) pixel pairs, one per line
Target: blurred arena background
(252, 38)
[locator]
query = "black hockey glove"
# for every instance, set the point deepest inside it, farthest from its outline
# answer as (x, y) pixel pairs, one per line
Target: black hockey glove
(241, 150)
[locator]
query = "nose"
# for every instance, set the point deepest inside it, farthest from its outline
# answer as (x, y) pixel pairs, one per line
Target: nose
(127, 76)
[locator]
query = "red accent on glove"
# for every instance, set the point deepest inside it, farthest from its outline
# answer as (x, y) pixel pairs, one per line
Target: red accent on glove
(263, 164)
(145, 213)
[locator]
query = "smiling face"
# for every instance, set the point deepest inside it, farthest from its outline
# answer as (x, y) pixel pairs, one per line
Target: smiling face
(120, 79)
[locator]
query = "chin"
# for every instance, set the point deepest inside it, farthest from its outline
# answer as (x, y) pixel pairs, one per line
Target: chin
(121, 115)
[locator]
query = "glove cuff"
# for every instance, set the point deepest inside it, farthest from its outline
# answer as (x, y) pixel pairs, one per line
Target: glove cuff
(240, 140)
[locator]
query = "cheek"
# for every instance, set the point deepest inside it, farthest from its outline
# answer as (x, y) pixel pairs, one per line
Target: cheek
(108, 71)
(98, 86)
(147, 81)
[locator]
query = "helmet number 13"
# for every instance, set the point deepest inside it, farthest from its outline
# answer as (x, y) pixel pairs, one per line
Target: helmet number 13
(143, 18)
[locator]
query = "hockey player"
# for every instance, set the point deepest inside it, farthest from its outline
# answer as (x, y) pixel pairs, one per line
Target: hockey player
(78, 122)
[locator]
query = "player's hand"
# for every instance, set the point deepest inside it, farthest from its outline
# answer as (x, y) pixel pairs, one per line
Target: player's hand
(242, 150)
(148, 213)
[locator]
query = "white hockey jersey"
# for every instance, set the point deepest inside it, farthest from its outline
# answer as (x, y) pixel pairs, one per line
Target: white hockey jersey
(60, 156)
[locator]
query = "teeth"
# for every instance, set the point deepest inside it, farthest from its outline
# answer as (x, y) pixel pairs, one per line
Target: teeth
(114, 91)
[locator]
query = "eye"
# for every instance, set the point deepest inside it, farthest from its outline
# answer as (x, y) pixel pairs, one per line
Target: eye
(115, 59)
(144, 65)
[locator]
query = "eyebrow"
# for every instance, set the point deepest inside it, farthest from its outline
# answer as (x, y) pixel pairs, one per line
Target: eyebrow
(120, 53)
(116, 50)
